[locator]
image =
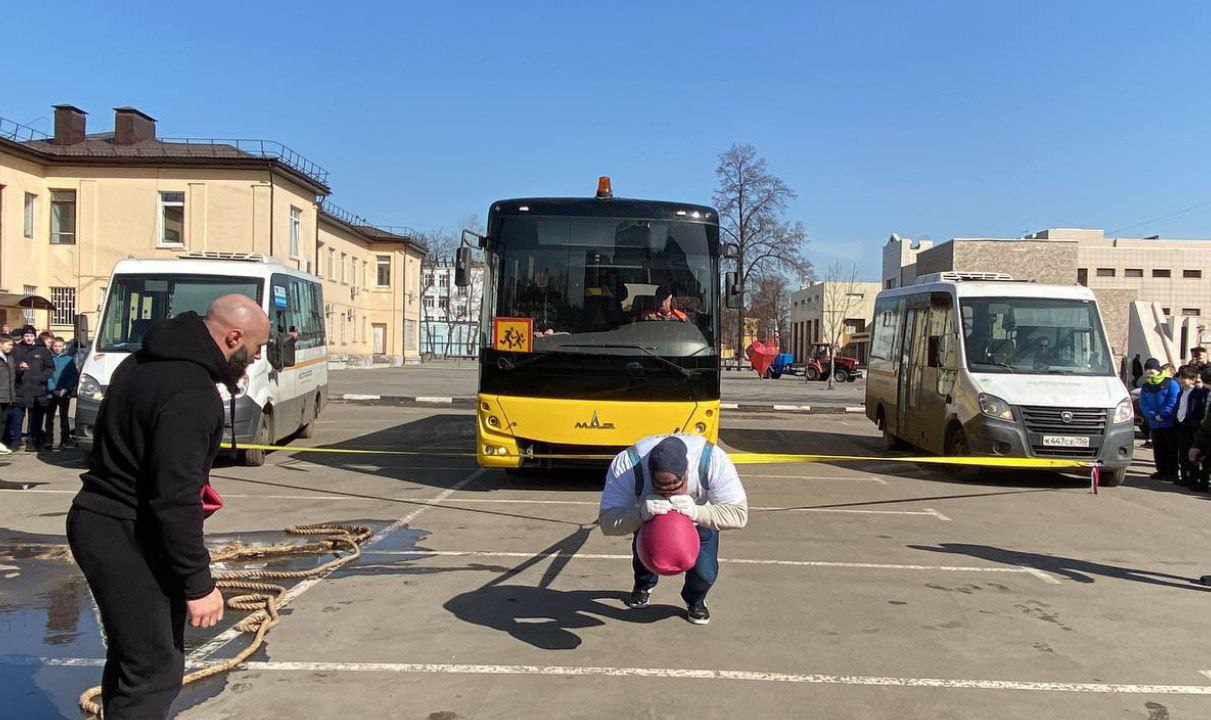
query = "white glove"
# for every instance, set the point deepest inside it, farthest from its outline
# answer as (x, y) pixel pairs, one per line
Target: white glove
(653, 506)
(685, 505)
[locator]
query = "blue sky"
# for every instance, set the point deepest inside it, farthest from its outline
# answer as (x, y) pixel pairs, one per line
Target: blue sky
(939, 119)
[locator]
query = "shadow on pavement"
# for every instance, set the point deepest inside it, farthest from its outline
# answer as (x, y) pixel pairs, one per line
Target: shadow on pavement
(543, 617)
(1082, 571)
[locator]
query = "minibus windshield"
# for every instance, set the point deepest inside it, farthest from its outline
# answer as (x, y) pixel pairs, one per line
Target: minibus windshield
(1043, 336)
(137, 301)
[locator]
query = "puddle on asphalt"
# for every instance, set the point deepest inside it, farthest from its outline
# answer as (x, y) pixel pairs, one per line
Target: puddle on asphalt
(46, 611)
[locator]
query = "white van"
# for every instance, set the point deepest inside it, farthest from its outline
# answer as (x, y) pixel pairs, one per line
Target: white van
(977, 364)
(284, 391)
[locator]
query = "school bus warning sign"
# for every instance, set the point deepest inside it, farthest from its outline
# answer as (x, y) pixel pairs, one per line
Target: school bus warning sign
(513, 334)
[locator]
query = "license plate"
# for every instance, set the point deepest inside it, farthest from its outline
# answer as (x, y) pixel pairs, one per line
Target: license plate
(1066, 441)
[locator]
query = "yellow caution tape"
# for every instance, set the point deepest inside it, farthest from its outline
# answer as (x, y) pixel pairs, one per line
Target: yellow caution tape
(739, 458)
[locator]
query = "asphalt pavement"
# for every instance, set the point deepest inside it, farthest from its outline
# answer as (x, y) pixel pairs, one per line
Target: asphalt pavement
(456, 380)
(862, 590)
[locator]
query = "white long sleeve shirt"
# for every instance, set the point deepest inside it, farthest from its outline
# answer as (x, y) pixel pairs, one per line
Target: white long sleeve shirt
(722, 505)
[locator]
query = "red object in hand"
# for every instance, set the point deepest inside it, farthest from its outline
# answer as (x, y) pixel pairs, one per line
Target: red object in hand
(212, 501)
(668, 544)
(761, 355)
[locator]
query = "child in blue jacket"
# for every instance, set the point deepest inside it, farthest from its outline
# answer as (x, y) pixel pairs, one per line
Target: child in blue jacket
(1158, 404)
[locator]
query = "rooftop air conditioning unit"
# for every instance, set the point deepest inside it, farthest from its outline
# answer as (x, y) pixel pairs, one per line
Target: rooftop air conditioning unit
(223, 255)
(964, 276)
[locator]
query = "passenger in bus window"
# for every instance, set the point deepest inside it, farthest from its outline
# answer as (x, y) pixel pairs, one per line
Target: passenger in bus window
(664, 309)
(540, 302)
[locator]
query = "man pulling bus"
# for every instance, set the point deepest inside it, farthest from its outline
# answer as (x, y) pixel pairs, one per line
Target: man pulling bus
(674, 473)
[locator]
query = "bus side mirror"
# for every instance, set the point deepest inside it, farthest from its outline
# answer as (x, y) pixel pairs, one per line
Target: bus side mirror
(81, 329)
(462, 264)
(733, 296)
(471, 238)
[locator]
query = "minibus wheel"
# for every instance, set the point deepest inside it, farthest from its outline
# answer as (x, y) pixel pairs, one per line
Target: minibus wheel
(956, 446)
(1113, 478)
(264, 436)
(890, 442)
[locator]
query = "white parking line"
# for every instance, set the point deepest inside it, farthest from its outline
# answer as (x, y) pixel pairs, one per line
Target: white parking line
(665, 673)
(1045, 577)
(230, 634)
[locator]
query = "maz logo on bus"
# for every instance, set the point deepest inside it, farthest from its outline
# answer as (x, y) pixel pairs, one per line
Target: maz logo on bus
(594, 424)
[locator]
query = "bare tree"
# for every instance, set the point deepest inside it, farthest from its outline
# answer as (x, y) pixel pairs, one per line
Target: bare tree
(752, 201)
(839, 298)
(441, 245)
(770, 305)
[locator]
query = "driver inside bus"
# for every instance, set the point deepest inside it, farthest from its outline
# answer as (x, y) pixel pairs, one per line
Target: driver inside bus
(1040, 352)
(540, 303)
(664, 309)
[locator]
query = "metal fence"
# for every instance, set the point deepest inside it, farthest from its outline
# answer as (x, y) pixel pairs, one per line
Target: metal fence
(17, 132)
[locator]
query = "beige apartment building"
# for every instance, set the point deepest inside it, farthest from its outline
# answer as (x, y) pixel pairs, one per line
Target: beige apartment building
(827, 309)
(74, 203)
(1171, 272)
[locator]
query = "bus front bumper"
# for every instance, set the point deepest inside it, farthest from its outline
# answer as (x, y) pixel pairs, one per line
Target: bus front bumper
(513, 432)
(247, 415)
(1004, 438)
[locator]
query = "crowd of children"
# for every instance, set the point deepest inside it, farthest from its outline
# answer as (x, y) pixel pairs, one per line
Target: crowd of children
(38, 378)
(1172, 404)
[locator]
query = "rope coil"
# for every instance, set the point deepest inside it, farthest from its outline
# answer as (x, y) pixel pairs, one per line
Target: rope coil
(263, 599)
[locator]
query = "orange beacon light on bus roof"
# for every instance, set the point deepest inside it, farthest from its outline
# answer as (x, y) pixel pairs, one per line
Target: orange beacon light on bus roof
(603, 187)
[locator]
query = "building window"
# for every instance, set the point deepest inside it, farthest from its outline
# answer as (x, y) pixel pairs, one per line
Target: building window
(172, 219)
(1105, 272)
(382, 267)
(365, 275)
(1192, 274)
(443, 281)
(29, 289)
(1190, 312)
(31, 206)
(1161, 273)
(64, 300)
(1082, 276)
(296, 223)
(63, 217)
(1133, 273)
(428, 280)
(344, 268)
(444, 303)
(331, 264)
(429, 300)
(1165, 311)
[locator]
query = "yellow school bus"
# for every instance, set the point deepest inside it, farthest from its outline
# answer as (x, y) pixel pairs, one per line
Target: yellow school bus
(599, 325)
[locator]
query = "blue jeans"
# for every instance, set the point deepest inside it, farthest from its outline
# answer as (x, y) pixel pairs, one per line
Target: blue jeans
(12, 433)
(698, 579)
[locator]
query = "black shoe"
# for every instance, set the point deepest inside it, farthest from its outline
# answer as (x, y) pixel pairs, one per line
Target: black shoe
(29, 448)
(48, 447)
(638, 598)
(1205, 580)
(698, 614)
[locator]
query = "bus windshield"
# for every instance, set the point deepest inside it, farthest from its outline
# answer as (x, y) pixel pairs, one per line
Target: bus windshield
(137, 301)
(1034, 336)
(609, 285)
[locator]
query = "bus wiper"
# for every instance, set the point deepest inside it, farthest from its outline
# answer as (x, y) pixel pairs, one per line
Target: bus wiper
(1059, 371)
(505, 363)
(666, 361)
(998, 364)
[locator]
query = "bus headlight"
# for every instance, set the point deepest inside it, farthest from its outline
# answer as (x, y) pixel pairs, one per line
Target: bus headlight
(1124, 413)
(90, 389)
(995, 407)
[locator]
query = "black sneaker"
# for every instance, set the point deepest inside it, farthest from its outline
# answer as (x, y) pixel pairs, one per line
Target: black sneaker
(638, 598)
(698, 614)
(1205, 580)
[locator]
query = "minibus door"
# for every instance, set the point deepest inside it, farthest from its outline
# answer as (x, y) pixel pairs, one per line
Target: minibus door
(912, 359)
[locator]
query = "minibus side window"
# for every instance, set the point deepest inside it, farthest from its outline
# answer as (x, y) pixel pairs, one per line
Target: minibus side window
(943, 343)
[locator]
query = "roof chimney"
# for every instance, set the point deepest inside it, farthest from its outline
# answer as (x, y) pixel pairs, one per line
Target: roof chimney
(69, 125)
(132, 126)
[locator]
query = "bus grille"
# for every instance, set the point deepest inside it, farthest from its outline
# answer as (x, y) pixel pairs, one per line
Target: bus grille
(1041, 421)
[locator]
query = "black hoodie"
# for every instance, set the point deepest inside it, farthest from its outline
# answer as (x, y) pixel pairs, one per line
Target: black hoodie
(157, 433)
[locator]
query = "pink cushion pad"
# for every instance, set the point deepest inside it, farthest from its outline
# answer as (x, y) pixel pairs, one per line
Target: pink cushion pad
(668, 544)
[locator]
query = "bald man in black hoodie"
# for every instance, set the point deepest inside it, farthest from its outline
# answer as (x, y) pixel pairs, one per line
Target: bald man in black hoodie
(135, 527)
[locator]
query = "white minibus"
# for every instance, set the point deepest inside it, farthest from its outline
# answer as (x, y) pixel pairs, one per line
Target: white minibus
(978, 364)
(283, 392)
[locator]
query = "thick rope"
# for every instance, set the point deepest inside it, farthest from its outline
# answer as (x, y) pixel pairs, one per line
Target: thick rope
(263, 599)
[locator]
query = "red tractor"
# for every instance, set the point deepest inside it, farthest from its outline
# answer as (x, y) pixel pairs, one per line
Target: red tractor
(819, 364)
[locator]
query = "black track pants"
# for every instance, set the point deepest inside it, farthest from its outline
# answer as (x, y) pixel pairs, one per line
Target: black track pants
(143, 615)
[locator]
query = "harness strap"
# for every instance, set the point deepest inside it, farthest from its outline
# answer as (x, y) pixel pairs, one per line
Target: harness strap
(704, 467)
(637, 466)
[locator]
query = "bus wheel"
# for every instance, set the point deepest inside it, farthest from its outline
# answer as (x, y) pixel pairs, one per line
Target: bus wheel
(890, 442)
(1112, 478)
(306, 431)
(841, 376)
(264, 436)
(957, 447)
